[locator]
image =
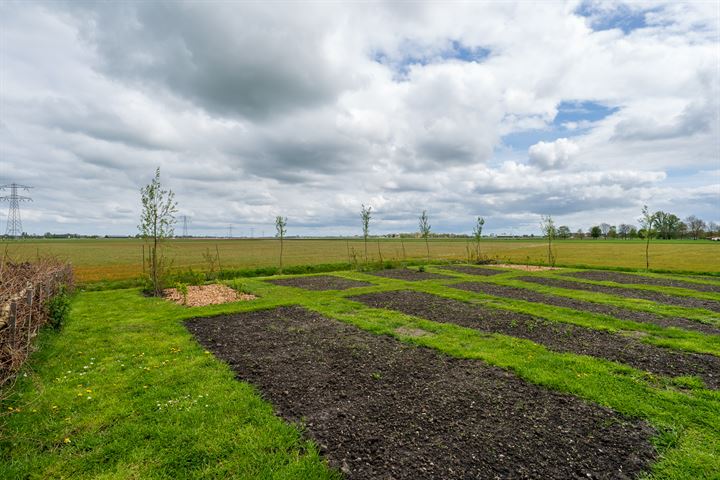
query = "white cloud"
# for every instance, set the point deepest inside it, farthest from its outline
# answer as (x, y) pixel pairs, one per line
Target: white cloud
(552, 154)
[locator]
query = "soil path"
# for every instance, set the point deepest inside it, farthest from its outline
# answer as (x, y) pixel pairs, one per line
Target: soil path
(381, 409)
(613, 311)
(658, 297)
(641, 280)
(486, 272)
(561, 337)
(407, 274)
(320, 282)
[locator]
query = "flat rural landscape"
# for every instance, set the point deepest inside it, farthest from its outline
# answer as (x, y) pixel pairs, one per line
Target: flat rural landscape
(116, 259)
(360, 240)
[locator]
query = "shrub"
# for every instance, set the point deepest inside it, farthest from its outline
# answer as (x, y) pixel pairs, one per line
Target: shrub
(58, 307)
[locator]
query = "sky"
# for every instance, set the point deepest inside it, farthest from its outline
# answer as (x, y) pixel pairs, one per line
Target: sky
(584, 111)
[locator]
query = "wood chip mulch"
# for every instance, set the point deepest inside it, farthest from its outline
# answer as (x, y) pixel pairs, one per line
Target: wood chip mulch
(200, 296)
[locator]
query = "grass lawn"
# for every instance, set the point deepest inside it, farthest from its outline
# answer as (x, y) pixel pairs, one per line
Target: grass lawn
(124, 391)
(114, 259)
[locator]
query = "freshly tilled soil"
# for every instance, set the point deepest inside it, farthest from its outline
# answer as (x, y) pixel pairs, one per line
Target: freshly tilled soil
(407, 274)
(560, 337)
(486, 272)
(320, 282)
(582, 305)
(658, 297)
(381, 409)
(619, 277)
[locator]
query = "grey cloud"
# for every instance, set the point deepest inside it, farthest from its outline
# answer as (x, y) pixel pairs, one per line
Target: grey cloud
(695, 118)
(231, 59)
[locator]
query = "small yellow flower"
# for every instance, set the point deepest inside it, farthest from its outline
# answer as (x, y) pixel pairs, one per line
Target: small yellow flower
(207, 352)
(67, 440)
(88, 390)
(54, 407)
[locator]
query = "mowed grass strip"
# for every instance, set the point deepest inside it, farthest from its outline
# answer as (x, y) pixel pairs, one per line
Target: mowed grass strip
(512, 278)
(679, 339)
(124, 391)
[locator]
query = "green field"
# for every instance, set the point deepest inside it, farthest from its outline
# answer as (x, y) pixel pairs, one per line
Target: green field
(124, 391)
(100, 259)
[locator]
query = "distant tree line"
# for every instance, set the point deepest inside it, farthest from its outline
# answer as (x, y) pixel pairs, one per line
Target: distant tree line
(667, 226)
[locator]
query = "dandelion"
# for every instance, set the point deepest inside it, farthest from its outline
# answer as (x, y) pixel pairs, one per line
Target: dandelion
(67, 440)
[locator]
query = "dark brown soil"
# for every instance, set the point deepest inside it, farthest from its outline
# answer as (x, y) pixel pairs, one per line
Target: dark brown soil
(407, 274)
(320, 282)
(619, 277)
(475, 270)
(381, 409)
(556, 336)
(627, 293)
(617, 312)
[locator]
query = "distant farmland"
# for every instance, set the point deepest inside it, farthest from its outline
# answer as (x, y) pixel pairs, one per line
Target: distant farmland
(114, 259)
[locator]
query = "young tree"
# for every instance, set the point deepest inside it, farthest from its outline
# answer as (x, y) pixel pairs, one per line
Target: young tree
(580, 234)
(157, 222)
(595, 232)
(365, 215)
(648, 222)
(477, 235)
(425, 231)
(547, 224)
(280, 224)
(696, 226)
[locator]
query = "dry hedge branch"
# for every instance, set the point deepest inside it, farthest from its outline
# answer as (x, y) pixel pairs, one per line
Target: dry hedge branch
(25, 289)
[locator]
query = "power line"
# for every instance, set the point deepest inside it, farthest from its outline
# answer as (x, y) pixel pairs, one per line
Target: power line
(14, 223)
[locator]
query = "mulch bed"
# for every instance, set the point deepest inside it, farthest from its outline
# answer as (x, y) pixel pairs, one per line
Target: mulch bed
(613, 311)
(381, 409)
(641, 280)
(560, 337)
(407, 274)
(203, 295)
(486, 272)
(658, 297)
(320, 282)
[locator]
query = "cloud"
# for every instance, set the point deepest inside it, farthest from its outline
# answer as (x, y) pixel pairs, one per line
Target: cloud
(496, 109)
(547, 155)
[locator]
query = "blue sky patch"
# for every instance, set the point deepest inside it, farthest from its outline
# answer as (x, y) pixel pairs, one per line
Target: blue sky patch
(414, 55)
(582, 113)
(622, 17)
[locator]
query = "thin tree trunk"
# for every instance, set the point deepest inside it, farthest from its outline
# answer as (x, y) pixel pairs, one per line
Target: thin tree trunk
(366, 255)
(402, 244)
(427, 245)
(647, 253)
(154, 268)
(281, 253)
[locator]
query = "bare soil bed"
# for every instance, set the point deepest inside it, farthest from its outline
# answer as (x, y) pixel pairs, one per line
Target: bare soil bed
(613, 311)
(407, 274)
(202, 295)
(527, 268)
(556, 336)
(627, 293)
(640, 280)
(486, 272)
(381, 409)
(320, 282)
